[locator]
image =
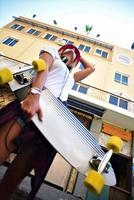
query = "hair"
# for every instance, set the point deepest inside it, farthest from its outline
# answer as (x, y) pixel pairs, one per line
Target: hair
(74, 50)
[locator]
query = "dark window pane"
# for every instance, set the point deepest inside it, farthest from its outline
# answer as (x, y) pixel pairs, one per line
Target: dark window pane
(75, 87)
(36, 33)
(123, 104)
(31, 31)
(70, 42)
(117, 77)
(15, 26)
(87, 49)
(53, 38)
(13, 42)
(7, 41)
(20, 28)
(113, 100)
(81, 46)
(98, 51)
(125, 80)
(47, 36)
(104, 54)
(82, 90)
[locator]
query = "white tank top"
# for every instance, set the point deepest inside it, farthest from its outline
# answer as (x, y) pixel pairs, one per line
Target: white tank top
(59, 80)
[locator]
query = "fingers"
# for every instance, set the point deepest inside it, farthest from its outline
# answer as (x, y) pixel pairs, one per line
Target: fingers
(40, 115)
(30, 111)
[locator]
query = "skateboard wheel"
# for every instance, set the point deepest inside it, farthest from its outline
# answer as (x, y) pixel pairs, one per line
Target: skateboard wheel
(94, 182)
(115, 143)
(5, 75)
(39, 65)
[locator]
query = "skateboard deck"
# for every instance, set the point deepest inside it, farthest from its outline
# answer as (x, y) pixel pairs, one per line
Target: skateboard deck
(60, 127)
(69, 136)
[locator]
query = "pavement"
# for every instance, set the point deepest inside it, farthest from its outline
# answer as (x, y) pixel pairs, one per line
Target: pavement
(45, 192)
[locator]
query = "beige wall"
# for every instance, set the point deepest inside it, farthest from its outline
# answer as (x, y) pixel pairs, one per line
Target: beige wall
(29, 47)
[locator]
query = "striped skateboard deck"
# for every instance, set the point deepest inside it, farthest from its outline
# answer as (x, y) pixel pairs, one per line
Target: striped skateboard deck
(69, 136)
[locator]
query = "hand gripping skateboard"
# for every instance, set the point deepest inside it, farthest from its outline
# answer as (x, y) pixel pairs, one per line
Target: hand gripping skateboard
(69, 137)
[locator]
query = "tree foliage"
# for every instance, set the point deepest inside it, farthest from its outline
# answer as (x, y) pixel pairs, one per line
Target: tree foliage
(88, 28)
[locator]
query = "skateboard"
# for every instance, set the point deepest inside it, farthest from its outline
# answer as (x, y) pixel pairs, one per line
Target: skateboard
(69, 136)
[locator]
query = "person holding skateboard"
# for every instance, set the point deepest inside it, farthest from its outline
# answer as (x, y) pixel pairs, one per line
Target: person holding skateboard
(16, 126)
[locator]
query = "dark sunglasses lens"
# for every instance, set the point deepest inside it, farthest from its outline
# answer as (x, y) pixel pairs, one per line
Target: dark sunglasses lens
(64, 59)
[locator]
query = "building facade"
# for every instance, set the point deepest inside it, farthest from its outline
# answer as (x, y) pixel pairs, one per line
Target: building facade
(103, 102)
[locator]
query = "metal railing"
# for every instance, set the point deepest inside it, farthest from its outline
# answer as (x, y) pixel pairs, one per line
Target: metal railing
(104, 96)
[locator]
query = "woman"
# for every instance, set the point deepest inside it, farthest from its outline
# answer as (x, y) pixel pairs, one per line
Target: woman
(35, 151)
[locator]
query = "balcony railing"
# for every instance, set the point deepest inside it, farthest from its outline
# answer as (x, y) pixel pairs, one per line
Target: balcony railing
(104, 96)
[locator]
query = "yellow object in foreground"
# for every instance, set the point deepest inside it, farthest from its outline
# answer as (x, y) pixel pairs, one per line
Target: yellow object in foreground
(115, 143)
(39, 65)
(94, 182)
(5, 76)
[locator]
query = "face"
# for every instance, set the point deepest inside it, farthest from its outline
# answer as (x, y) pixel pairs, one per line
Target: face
(67, 58)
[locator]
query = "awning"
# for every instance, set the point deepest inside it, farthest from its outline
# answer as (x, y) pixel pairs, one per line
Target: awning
(87, 108)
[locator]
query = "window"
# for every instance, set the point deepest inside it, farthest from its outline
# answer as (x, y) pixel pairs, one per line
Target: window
(33, 32)
(65, 41)
(17, 27)
(118, 102)
(81, 66)
(81, 47)
(36, 33)
(101, 53)
(120, 78)
(84, 48)
(10, 41)
(113, 100)
(75, 87)
(80, 88)
(123, 104)
(50, 37)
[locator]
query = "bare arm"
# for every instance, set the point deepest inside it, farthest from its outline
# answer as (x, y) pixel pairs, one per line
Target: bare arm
(88, 69)
(30, 105)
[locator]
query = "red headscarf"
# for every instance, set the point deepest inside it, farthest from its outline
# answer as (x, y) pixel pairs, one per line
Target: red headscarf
(70, 46)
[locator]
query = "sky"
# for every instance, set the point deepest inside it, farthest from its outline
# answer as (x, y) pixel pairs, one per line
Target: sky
(112, 19)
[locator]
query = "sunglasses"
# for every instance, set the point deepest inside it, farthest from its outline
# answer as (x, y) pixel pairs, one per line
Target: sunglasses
(65, 60)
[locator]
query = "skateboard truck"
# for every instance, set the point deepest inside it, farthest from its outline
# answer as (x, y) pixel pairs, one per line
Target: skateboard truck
(95, 162)
(21, 79)
(94, 180)
(7, 75)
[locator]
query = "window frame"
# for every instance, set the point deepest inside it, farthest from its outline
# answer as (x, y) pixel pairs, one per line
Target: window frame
(50, 37)
(78, 88)
(84, 47)
(11, 43)
(18, 27)
(121, 78)
(101, 53)
(34, 32)
(119, 100)
(66, 41)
